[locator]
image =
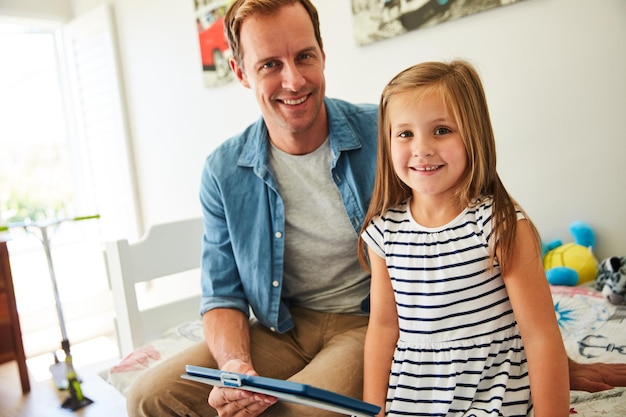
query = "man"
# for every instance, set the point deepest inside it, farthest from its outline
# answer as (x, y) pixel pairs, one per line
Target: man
(283, 204)
(293, 184)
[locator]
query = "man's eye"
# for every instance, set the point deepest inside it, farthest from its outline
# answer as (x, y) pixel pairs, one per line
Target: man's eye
(270, 64)
(304, 56)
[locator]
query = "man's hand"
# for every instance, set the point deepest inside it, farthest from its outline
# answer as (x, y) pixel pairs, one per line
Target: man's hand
(231, 402)
(594, 377)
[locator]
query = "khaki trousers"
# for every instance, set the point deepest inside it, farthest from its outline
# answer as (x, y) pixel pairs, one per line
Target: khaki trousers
(324, 350)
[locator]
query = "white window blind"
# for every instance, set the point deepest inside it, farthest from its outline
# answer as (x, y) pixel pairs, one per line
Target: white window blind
(100, 125)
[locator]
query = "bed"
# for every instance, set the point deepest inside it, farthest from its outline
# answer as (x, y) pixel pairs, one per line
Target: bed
(150, 331)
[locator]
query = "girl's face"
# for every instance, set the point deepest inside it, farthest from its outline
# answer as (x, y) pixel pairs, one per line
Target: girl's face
(427, 151)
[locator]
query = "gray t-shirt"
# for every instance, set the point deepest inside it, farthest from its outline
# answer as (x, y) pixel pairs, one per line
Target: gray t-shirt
(322, 271)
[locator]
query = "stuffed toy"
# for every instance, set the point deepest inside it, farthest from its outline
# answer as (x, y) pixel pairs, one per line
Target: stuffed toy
(571, 263)
(611, 279)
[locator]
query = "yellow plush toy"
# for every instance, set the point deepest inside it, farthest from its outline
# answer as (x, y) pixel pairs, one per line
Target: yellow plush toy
(572, 263)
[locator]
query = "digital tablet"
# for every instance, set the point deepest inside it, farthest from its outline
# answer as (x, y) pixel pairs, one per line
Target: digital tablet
(283, 390)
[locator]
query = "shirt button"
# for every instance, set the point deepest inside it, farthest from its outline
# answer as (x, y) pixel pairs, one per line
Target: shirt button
(272, 329)
(278, 235)
(275, 284)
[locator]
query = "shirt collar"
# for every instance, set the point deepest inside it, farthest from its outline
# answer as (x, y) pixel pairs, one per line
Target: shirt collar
(341, 134)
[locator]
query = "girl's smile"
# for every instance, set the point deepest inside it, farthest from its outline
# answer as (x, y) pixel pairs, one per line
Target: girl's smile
(427, 150)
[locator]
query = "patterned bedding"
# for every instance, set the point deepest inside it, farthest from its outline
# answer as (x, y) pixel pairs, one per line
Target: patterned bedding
(176, 339)
(593, 331)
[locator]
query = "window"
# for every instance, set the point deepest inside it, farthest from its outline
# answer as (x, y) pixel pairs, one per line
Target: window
(41, 180)
(35, 173)
(64, 153)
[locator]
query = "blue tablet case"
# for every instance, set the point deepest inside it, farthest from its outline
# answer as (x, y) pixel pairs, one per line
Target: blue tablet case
(283, 390)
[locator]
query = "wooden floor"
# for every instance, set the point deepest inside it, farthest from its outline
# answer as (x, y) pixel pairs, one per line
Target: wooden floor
(45, 399)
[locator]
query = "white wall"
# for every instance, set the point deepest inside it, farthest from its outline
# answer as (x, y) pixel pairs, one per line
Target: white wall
(53, 10)
(553, 71)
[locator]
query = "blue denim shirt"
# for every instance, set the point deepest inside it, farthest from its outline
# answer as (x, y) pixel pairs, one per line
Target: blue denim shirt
(244, 215)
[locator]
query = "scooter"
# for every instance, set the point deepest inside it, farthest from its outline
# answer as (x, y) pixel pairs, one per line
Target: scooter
(63, 372)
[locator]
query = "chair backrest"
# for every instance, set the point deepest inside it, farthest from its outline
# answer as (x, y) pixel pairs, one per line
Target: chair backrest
(166, 250)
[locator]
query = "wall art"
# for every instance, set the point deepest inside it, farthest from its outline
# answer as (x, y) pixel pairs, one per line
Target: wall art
(375, 20)
(214, 49)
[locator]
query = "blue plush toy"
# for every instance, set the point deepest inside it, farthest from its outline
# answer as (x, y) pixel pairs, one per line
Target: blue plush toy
(572, 263)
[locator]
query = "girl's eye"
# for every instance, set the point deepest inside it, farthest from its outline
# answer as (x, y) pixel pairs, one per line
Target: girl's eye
(404, 134)
(442, 131)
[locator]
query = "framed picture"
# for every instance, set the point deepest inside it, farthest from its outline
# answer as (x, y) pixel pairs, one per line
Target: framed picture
(375, 20)
(214, 49)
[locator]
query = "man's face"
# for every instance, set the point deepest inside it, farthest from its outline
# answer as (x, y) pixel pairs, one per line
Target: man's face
(284, 65)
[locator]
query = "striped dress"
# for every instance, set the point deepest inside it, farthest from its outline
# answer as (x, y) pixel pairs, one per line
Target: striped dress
(459, 352)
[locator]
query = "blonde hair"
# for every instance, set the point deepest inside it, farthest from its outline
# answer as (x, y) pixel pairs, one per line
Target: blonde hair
(460, 87)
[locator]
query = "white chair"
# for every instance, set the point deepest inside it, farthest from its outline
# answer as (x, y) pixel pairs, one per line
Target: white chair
(164, 252)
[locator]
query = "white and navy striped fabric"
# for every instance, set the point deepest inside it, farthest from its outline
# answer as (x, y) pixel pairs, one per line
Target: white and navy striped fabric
(459, 352)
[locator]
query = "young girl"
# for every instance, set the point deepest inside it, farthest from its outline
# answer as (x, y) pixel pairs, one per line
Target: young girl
(462, 321)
